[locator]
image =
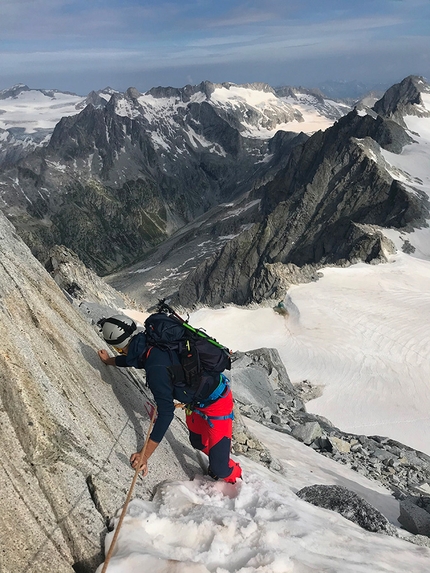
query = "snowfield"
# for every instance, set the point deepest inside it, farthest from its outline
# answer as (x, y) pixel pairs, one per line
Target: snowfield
(260, 525)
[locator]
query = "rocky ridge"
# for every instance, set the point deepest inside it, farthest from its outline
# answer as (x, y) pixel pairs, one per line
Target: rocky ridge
(326, 206)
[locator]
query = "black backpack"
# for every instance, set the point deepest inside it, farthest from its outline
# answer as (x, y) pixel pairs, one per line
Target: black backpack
(198, 353)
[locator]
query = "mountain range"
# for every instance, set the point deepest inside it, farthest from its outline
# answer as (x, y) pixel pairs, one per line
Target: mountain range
(122, 171)
(328, 204)
(356, 191)
(262, 185)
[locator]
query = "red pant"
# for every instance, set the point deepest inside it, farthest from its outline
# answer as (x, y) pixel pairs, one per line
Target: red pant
(213, 437)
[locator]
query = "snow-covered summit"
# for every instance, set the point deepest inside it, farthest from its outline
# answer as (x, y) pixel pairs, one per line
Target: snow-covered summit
(257, 109)
(32, 109)
(27, 111)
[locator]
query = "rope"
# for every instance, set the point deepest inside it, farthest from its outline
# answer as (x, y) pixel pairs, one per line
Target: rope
(130, 491)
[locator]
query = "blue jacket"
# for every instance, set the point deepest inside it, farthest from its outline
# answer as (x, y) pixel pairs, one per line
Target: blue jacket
(158, 380)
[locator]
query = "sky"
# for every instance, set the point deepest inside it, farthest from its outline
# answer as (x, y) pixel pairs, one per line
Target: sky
(85, 45)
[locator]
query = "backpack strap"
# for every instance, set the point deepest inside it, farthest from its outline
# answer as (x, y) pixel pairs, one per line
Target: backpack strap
(144, 356)
(220, 391)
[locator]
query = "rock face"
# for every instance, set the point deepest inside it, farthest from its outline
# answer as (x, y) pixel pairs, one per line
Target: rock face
(326, 206)
(80, 282)
(403, 99)
(415, 515)
(68, 425)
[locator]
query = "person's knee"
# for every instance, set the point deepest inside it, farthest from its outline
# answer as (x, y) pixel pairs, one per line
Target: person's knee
(196, 441)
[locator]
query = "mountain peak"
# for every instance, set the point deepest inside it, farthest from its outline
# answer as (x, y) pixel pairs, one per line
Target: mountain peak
(14, 91)
(403, 99)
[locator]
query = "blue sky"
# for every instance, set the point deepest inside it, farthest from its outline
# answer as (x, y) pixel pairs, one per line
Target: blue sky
(84, 45)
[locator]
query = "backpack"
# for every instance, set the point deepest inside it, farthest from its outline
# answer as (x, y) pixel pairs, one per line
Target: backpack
(198, 353)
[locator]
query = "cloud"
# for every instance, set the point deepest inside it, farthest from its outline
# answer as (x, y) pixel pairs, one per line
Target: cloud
(88, 22)
(131, 36)
(223, 40)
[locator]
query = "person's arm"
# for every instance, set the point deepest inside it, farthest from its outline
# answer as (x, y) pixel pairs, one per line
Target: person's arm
(151, 446)
(105, 358)
(158, 380)
(120, 360)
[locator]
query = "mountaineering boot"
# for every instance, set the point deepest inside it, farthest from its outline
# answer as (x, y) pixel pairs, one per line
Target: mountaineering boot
(235, 474)
(212, 474)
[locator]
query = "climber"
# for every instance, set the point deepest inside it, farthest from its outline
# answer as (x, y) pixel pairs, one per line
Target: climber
(209, 409)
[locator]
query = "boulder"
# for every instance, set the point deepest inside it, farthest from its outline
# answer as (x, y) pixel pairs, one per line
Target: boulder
(413, 517)
(307, 432)
(257, 375)
(349, 505)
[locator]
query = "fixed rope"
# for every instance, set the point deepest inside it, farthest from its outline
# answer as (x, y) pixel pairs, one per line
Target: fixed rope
(130, 491)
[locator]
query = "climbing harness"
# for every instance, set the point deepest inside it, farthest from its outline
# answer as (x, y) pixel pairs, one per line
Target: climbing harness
(220, 391)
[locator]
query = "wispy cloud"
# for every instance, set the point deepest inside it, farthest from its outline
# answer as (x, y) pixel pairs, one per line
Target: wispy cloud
(118, 36)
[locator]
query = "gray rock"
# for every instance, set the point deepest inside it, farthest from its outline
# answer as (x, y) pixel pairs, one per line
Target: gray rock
(256, 378)
(307, 432)
(349, 505)
(400, 100)
(68, 425)
(341, 446)
(414, 518)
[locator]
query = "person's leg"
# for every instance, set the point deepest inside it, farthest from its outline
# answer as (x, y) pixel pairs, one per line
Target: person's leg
(197, 432)
(217, 435)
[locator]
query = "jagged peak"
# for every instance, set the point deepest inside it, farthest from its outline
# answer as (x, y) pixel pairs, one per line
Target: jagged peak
(133, 93)
(107, 90)
(183, 94)
(94, 99)
(403, 98)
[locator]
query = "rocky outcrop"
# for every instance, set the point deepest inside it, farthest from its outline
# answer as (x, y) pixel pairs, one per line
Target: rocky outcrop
(415, 514)
(264, 393)
(403, 99)
(399, 468)
(81, 283)
(349, 505)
